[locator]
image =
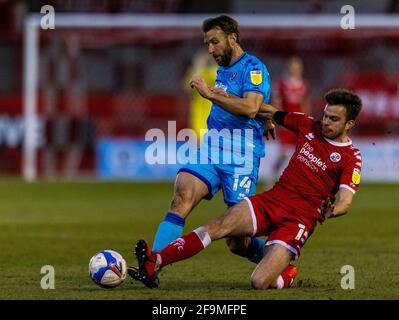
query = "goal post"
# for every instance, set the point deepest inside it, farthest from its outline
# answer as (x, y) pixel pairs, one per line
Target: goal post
(30, 76)
(31, 62)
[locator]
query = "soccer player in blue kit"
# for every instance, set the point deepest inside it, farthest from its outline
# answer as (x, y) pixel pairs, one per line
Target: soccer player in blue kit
(235, 122)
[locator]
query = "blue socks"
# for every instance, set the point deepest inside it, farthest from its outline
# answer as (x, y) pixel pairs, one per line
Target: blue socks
(169, 229)
(256, 251)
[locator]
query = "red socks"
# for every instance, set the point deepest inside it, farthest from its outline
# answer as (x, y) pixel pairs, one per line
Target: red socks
(181, 248)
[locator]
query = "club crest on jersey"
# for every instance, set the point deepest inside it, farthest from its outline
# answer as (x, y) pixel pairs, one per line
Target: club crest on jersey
(356, 176)
(233, 76)
(256, 77)
(335, 157)
(221, 86)
(309, 136)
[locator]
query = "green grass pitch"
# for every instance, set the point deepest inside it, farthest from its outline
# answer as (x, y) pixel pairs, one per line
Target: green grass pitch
(64, 224)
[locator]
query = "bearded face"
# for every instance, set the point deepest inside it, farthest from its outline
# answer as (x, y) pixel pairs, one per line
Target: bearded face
(219, 46)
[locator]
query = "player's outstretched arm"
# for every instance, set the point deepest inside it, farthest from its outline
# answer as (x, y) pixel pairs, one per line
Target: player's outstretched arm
(248, 106)
(332, 211)
(267, 111)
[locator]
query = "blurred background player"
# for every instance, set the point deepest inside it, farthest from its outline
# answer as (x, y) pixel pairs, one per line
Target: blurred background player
(242, 75)
(308, 188)
(205, 67)
(291, 95)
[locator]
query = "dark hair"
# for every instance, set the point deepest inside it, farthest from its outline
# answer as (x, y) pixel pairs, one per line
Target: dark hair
(227, 24)
(346, 98)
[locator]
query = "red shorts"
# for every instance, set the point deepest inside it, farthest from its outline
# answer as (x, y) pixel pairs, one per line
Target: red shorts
(270, 219)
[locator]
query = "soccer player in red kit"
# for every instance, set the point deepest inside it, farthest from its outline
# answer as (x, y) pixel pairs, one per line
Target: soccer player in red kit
(324, 163)
(291, 95)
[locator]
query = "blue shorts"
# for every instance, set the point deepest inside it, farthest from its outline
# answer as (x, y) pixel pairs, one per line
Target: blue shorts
(235, 183)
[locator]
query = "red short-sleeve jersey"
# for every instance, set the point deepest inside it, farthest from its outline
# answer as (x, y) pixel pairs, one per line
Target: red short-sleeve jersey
(318, 168)
(292, 94)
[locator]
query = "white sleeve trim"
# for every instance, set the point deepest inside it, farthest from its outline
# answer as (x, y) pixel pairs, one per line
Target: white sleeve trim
(254, 222)
(347, 187)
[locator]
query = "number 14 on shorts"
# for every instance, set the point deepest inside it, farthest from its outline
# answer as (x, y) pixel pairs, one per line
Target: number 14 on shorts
(244, 183)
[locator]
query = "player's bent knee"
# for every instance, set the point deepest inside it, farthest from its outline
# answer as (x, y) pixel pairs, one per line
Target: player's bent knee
(258, 282)
(237, 246)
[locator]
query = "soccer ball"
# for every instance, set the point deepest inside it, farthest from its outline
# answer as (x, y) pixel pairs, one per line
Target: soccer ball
(107, 268)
